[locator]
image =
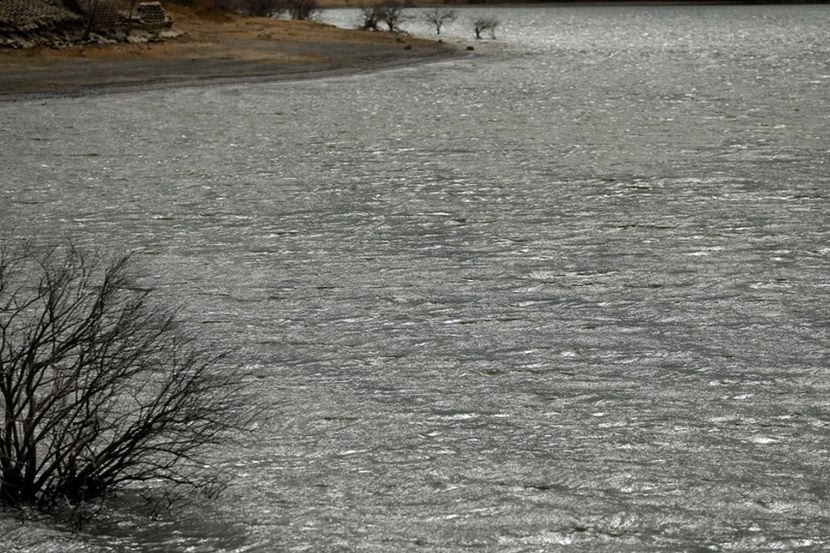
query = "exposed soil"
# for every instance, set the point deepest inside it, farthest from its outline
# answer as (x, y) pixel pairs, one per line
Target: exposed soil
(213, 47)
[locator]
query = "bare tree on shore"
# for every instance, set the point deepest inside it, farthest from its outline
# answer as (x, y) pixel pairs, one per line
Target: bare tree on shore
(302, 10)
(391, 13)
(438, 17)
(485, 23)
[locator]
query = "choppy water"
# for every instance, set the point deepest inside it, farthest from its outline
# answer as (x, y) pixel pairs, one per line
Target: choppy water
(574, 296)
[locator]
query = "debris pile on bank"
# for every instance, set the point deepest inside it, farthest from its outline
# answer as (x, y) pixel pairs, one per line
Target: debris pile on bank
(59, 23)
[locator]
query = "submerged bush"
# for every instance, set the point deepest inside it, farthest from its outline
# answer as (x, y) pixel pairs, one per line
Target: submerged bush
(100, 388)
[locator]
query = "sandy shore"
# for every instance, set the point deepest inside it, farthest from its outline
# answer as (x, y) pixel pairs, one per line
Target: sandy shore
(213, 47)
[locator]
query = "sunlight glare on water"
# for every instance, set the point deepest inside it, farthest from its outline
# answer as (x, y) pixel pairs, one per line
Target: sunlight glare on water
(571, 295)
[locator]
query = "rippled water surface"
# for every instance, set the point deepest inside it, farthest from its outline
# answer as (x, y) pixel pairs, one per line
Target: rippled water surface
(575, 294)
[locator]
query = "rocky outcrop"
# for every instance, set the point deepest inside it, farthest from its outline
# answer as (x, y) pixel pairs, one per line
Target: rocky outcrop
(102, 15)
(57, 23)
(30, 16)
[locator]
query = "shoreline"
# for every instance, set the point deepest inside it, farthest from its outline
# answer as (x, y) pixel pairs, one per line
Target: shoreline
(61, 79)
(213, 48)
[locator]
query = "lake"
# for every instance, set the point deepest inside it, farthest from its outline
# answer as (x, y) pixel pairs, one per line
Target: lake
(571, 295)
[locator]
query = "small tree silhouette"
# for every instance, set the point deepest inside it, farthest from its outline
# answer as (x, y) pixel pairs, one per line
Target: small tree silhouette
(390, 12)
(438, 17)
(99, 387)
(302, 10)
(370, 18)
(485, 23)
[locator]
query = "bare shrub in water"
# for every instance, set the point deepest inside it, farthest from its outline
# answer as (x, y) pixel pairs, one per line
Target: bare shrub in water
(100, 389)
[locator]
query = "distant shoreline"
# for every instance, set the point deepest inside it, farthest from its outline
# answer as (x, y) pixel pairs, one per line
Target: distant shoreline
(214, 47)
(66, 78)
(222, 48)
